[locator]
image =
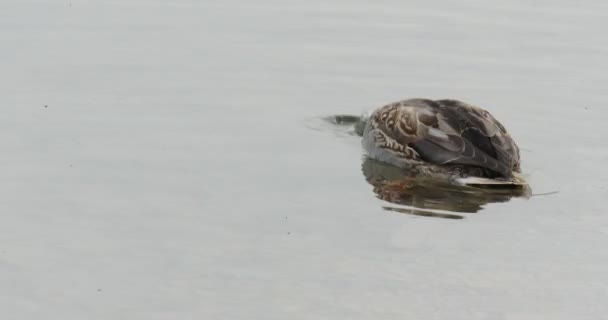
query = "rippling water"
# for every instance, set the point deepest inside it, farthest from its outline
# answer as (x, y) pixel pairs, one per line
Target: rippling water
(169, 160)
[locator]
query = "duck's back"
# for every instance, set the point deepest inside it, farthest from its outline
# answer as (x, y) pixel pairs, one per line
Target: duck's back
(441, 132)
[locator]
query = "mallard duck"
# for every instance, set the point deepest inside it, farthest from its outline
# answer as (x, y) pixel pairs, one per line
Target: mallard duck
(443, 138)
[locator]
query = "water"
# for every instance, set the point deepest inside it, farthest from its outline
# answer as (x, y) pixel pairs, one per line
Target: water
(165, 160)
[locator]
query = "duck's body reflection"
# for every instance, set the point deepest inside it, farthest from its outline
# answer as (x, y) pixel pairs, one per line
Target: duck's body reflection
(424, 195)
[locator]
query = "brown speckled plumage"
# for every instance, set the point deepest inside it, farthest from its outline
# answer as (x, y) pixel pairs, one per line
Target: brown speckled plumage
(441, 136)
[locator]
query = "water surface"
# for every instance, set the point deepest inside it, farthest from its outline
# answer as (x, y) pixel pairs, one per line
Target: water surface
(159, 161)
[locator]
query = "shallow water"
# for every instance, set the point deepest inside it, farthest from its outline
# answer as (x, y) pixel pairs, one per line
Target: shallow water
(161, 160)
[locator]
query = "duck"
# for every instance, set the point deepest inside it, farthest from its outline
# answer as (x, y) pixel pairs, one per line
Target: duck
(446, 139)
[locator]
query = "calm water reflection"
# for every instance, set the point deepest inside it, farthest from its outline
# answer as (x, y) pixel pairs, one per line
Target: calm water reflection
(421, 195)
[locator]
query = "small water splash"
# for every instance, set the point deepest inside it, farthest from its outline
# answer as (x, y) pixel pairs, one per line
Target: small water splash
(341, 125)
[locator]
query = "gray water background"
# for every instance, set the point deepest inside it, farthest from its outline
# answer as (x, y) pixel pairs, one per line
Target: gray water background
(164, 160)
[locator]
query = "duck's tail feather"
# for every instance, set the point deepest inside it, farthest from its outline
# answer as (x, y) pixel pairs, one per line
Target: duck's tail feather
(515, 182)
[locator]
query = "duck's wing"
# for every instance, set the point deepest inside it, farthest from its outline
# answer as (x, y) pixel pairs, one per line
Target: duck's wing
(482, 130)
(452, 132)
